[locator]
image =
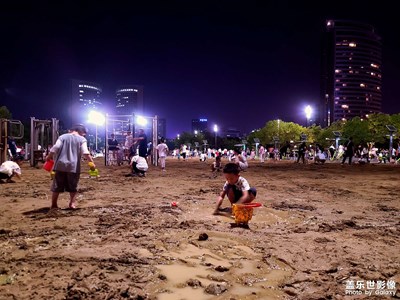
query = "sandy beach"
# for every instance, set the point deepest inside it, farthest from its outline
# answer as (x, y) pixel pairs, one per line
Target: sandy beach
(320, 228)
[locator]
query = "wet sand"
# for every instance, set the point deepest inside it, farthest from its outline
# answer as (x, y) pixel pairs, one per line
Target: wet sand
(319, 227)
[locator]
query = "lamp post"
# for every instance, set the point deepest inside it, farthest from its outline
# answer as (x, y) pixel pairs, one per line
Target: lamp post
(279, 121)
(308, 111)
(392, 131)
(97, 119)
(215, 130)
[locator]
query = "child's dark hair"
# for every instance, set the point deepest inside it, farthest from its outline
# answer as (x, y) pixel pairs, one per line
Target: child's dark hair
(231, 168)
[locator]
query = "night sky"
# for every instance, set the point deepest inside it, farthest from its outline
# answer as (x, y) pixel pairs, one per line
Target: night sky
(237, 63)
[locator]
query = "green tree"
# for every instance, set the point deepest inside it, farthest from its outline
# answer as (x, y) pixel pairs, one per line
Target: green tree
(377, 127)
(285, 131)
(358, 129)
(5, 113)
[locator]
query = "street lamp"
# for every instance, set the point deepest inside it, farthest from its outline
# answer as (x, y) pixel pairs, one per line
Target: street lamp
(97, 119)
(279, 121)
(308, 111)
(215, 130)
(392, 131)
(142, 121)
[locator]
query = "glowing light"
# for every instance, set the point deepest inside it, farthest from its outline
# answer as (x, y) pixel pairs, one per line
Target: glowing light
(308, 111)
(352, 44)
(96, 118)
(141, 121)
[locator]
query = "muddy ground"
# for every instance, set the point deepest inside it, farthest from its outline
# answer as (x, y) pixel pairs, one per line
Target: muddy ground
(320, 228)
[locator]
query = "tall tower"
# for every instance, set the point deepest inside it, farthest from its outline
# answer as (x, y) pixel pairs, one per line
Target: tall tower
(129, 100)
(86, 96)
(351, 71)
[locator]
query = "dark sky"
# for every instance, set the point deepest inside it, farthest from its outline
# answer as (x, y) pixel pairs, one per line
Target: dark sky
(237, 63)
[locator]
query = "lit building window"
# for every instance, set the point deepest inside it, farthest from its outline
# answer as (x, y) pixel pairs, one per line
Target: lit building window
(362, 85)
(337, 71)
(374, 66)
(352, 44)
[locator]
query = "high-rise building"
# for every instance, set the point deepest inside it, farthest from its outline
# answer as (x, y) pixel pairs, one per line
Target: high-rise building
(200, 125)
(129, 100)
(351, 71)
(86, 96)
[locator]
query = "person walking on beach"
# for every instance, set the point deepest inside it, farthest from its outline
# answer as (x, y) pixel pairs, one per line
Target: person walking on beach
(162, 150)
(261, 152)
(129, 146)
(302, 152)
(349, 152)
(142, 139)
(67, 154)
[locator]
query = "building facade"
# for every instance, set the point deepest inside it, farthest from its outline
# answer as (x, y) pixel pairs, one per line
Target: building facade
(129, 100)
(86, 96)
(199, 125)
(351, 71)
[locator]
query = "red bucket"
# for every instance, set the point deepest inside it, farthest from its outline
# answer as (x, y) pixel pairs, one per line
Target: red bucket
(48, 165)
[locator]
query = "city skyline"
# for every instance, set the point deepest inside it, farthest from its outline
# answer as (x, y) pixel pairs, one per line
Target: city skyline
(237, 65)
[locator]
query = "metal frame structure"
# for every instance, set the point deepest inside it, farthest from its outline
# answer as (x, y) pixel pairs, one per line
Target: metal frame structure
(6, 127)
(44, 133)
(119, 128)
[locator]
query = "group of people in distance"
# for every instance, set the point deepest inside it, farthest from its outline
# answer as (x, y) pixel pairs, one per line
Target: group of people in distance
(320, 157)
(138, 159)
(70, 147)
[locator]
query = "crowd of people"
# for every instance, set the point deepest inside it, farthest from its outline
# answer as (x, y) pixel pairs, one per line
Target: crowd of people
(70, 149)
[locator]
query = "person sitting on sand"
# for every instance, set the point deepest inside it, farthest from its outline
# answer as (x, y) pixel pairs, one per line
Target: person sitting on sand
(236, 188)
(240, 160)
(216, 165)
(9, 168)
(139, 166)
(320, 157)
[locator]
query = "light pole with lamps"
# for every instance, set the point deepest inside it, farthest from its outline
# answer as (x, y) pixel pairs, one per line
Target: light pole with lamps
(215, 130)
(308, 111)
(97, 119)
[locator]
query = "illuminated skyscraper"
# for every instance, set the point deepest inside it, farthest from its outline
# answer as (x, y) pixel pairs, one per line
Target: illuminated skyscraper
(129, 100)
(351, 71)
(200, 125)
(86, 96)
